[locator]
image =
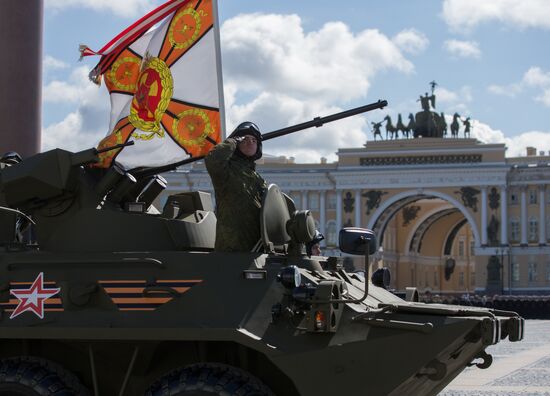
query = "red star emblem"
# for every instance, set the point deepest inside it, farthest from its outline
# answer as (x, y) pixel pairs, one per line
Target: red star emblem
(32, 299)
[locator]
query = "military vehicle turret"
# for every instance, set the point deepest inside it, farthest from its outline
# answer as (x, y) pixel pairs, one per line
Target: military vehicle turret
(102, 294)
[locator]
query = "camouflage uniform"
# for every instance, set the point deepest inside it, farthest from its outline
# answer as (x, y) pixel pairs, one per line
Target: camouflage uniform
(239, 190)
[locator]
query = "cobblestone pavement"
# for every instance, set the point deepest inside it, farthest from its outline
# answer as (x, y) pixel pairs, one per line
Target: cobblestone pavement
(519, 368)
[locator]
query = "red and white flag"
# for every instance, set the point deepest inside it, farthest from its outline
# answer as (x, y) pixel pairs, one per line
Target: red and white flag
(165, 85)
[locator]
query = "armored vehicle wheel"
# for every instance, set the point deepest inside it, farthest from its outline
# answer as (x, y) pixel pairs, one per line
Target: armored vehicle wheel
(29, 376)
(208, 379)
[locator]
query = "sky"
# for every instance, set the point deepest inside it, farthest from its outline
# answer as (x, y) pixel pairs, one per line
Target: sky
(286, 62)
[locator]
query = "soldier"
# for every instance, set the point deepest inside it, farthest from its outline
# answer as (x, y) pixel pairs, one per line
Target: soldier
(238, 188)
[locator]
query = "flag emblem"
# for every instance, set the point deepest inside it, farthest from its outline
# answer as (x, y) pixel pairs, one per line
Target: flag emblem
(153, 94)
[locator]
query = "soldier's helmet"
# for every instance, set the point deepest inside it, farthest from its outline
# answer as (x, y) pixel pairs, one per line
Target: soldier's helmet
(249, 128)
(316, 239)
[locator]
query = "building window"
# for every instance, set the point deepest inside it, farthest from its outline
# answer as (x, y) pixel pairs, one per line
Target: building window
(331, 233)
(472, 247)
(532, 268)
(515, 269)
(461, 248)
(532, 196)
(331, 201)
(513, 198)
(461, 279)
(533, 229)
(514, 229)
(313, 201)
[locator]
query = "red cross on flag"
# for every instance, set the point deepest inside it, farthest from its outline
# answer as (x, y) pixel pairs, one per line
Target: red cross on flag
(165, 85)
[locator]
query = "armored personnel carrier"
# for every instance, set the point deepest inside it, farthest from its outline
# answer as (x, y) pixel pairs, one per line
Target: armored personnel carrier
(102, 294)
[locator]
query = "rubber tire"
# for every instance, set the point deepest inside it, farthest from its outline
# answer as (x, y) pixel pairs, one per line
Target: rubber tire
(32, 376)
(208, 379)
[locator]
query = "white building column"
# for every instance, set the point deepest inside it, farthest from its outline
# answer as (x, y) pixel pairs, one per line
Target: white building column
(322, 215)
(357, 208)
(304, 199)
(523, 216)
(503, 215)
(338, 211)
(483, 216)
(542, 214)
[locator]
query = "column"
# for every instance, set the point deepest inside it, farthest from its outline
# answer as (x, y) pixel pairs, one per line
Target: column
(483, 216)
(358, 208)
(542, 215)
(322, 216)
(524, 216)
(338, 211)
(21, 25)
(503, 215)
(304, 200)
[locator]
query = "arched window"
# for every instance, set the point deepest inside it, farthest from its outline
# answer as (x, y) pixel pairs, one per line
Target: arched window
(514, 229)
(332, 238)
(533, 229)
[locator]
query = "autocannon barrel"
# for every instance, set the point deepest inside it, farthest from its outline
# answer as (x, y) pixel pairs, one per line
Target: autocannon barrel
(316, 122)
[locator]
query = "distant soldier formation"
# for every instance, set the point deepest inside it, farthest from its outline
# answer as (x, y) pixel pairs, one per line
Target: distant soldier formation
(426, 123)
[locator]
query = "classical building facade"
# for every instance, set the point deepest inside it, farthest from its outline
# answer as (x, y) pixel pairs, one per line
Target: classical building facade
(451, 215)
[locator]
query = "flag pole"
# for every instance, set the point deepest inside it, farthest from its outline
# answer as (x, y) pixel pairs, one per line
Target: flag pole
(219, 69)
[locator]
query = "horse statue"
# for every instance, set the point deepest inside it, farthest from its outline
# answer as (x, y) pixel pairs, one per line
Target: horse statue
(376, 129)
(467, 127)
(390, 129)
(455, 125)
(410, 126)
(442, 125)
(399, 126)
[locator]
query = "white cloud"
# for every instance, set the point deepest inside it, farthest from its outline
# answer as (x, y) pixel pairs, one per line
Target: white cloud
(515, 145)
(88, 123)
(272, 53)
(276, 111)
(124, 8)
(411, 41)
(465, 15)
(510, 90)
(463, 49)
(51, 63)
(454, 101)
(535, 78)
(77, 89)
(277, 75)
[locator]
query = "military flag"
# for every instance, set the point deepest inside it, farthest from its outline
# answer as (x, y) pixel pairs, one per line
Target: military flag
(165, 85)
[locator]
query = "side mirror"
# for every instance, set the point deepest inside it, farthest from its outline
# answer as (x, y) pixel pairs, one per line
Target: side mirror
(355, 241)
